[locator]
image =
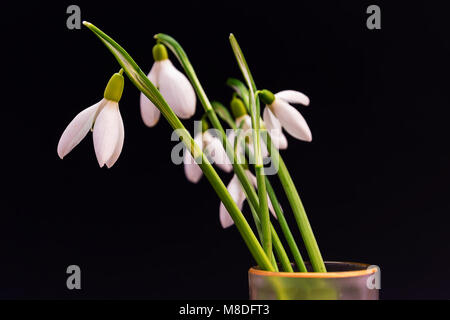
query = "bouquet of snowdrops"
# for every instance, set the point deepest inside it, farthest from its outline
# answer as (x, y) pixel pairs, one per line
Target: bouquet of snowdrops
(250, 146)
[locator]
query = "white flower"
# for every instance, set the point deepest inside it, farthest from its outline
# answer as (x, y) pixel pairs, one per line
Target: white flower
(238, 195)
(174, 87)
(104, 119)
(278, 114)
(246, 122)
(213, 148)
(246, 128)
(108, 132)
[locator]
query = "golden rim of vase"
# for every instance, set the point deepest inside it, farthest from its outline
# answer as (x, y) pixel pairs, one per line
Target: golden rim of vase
(335, 274)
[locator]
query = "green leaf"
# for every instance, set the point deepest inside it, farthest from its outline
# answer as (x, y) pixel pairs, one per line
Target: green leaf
(259, 169)
(241, 90)
(254, 108)
(138, 77)
(223, 113)
(242, 63)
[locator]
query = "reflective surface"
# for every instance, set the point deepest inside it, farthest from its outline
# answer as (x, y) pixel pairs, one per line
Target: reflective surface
(343, 281)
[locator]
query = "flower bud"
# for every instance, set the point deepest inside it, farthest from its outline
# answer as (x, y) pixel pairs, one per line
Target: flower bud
(237, 108)
(266, 97)
(114, 88)
(205, 125)
(159, 52)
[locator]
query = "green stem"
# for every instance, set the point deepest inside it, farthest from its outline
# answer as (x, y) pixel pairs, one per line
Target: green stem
(259, 168)
(181, 55)
(176, 48)
(285, 229)
(264, 210)
(280, 253)
(140, 80)
(283, 223)
(297, 208)
(279, 249)
(296, 204)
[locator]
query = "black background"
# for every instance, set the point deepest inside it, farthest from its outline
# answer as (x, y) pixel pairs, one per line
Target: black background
(375, 179)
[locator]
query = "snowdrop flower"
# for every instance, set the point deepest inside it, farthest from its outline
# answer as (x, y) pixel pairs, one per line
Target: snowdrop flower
(244, 121)
(174, 87)
(238, 195)
(212, 147)
(104, 119)
(278, 114)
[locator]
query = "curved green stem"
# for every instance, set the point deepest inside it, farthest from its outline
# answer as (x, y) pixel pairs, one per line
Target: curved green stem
(285, 229)
(279, 249)
(259, 167)
(277, 245)
(298, 210)
(283, 223)
(140, 80)
(294, 200)
(176, 48)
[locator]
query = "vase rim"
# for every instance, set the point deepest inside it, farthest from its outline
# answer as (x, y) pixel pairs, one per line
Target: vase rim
(365, 271)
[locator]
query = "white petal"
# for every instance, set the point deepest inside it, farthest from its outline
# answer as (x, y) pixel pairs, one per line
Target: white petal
(177, 90)
(206, 139)
(270, 121)
(273, 126)
(281, 141)
(236, 192)
(191, 169)
(119, 144)
(200, 140)
(154, 73)
(78, 129)
(293, 96)
(230, 136)
(291, 120)
(264, 151)
(149, 112)
(247, 122)
(278, 139)
(106, 132)
(217, 153)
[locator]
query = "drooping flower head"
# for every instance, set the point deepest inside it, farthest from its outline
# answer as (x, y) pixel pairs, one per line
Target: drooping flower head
(237, 193)
(244, 122)
(240, 114)
(213, 149)
(104, 119)
(173, 85)
(279, 114)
